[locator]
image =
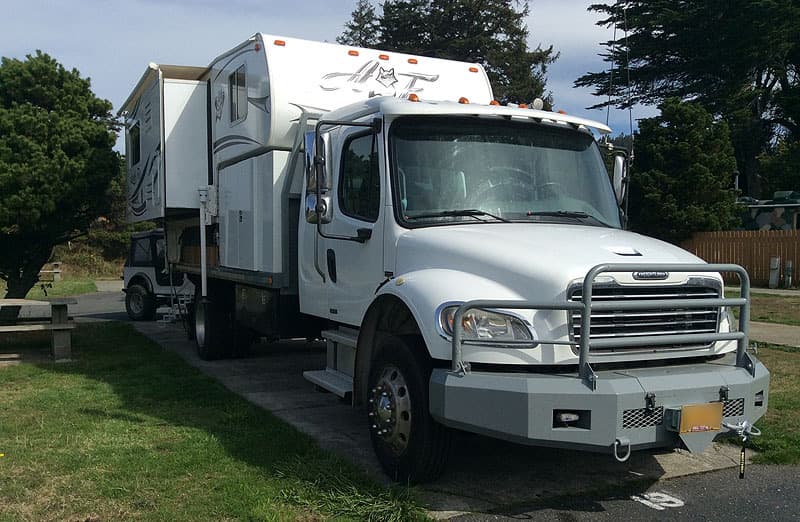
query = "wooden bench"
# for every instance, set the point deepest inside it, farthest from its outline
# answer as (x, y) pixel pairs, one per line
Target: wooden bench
(59, 323)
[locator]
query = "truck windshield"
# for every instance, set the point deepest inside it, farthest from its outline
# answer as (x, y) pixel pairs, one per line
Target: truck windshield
(449, 170)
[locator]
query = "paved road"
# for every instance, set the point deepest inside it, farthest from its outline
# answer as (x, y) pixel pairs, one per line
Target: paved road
(767, 493)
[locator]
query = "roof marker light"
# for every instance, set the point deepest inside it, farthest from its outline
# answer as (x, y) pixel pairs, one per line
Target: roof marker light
(562, 111)
(258, 46)
(473, 69)
(280, 43)
(383, 56)
(494, 102)
(523, 105)
(412, 60)
(463, 100)
(413, 97)
(352, 52)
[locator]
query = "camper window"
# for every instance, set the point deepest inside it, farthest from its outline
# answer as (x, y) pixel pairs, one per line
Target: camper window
(238, 94)
(134, 143)
(360, 186)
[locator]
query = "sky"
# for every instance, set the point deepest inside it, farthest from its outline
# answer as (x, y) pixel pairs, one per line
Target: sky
(112, 41)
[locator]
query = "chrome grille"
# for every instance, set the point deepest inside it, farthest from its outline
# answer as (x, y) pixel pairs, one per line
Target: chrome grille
(642, 418)
(637, 323)
(733, 408)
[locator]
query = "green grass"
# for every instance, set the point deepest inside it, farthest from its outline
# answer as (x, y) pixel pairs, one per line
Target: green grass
(780, 439)
(130, 431)
(769, 308)
(70, 286)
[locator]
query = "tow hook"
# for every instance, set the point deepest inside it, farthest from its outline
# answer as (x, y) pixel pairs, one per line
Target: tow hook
(622, 441)
(744, 430)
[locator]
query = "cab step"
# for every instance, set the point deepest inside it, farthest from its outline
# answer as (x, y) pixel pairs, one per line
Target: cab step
(337, 377)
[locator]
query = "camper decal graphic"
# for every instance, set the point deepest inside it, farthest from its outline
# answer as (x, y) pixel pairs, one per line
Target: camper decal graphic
(377, 81)
(219, 102)
(144, 187)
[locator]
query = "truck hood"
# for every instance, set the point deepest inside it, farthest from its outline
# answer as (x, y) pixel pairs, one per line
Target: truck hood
(529, 257)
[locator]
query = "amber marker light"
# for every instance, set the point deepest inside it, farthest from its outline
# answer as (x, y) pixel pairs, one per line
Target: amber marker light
(352, 52)
(413, 97)
(258, 46)
(523, 105)
(463, 100)
(562, 111)
(494, 102)
(473, 69)
(280, 43)
(383, 56)
(412, 61)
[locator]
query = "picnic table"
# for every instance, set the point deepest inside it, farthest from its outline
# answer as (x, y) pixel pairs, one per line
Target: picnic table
(58, 323)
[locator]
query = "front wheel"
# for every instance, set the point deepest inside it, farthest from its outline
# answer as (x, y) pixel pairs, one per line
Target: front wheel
(140, 303)
(410, 445)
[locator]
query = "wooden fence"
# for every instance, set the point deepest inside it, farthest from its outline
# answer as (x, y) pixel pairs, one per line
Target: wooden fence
(750, 248)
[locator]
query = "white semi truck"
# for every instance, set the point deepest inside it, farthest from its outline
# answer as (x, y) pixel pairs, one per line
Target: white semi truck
(465, 261)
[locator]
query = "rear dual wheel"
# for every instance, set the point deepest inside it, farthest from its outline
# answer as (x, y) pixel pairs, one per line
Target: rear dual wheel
(216, 332)
(410, 445)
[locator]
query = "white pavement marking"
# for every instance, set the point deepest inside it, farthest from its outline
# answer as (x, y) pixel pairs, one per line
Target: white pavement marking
(658, 500)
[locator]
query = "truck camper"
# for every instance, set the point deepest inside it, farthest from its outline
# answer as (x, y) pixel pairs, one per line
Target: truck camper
(465, 261)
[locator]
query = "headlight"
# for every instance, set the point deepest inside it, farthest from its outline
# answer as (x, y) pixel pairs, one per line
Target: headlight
(484, 324)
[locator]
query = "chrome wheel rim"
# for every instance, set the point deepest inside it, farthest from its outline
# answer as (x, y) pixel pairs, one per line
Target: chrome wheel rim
(390, 409)
(136, 302)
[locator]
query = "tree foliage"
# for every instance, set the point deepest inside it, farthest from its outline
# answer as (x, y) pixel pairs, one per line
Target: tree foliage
(56, 163)
(490, 32)
(362, 29)
(738, 58)
(682, 181)
(781, 168)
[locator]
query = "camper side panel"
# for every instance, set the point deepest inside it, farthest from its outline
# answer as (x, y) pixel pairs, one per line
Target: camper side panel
(186, 142)
(145, 188)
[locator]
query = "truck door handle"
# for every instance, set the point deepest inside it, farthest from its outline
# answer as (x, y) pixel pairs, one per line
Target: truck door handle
(362, 234)
(331, 257)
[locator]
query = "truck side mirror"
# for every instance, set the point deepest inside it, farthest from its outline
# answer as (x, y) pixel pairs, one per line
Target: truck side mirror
(318, 207)
(620, 178)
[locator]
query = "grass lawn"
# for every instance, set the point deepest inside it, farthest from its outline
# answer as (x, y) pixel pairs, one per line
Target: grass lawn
(780, 439)
(130, 431)
(769, 308)
(71, 286)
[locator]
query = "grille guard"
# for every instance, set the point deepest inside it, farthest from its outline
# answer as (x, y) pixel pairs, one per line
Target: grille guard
(586, 306)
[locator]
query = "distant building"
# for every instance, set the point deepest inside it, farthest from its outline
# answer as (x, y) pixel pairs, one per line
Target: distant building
(779, 213)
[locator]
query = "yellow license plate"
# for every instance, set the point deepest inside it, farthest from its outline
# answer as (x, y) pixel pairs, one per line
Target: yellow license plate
(701, 417)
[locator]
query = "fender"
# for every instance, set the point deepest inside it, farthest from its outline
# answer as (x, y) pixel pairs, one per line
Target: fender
(423, 291)
(144, 278)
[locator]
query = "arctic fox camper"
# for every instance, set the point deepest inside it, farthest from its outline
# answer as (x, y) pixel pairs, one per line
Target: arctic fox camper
(465, 261)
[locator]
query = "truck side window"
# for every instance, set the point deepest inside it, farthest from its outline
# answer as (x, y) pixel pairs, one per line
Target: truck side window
(133, 149)
(359, 183)
(238, 94)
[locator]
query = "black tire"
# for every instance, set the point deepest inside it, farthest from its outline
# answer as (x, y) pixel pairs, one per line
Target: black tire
(211, 325)
(414, 448)
(140, 303)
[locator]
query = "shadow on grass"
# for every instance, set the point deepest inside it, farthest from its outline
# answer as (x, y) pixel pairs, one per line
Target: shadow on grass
(151, 433)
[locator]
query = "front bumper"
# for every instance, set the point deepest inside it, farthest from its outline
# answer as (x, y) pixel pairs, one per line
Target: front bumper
(522, 407)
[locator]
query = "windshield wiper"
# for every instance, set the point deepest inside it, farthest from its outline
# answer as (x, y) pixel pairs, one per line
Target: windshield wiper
(568, 214)
(472, 212)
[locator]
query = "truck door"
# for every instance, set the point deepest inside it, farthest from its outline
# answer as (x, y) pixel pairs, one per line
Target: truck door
(352, 243)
